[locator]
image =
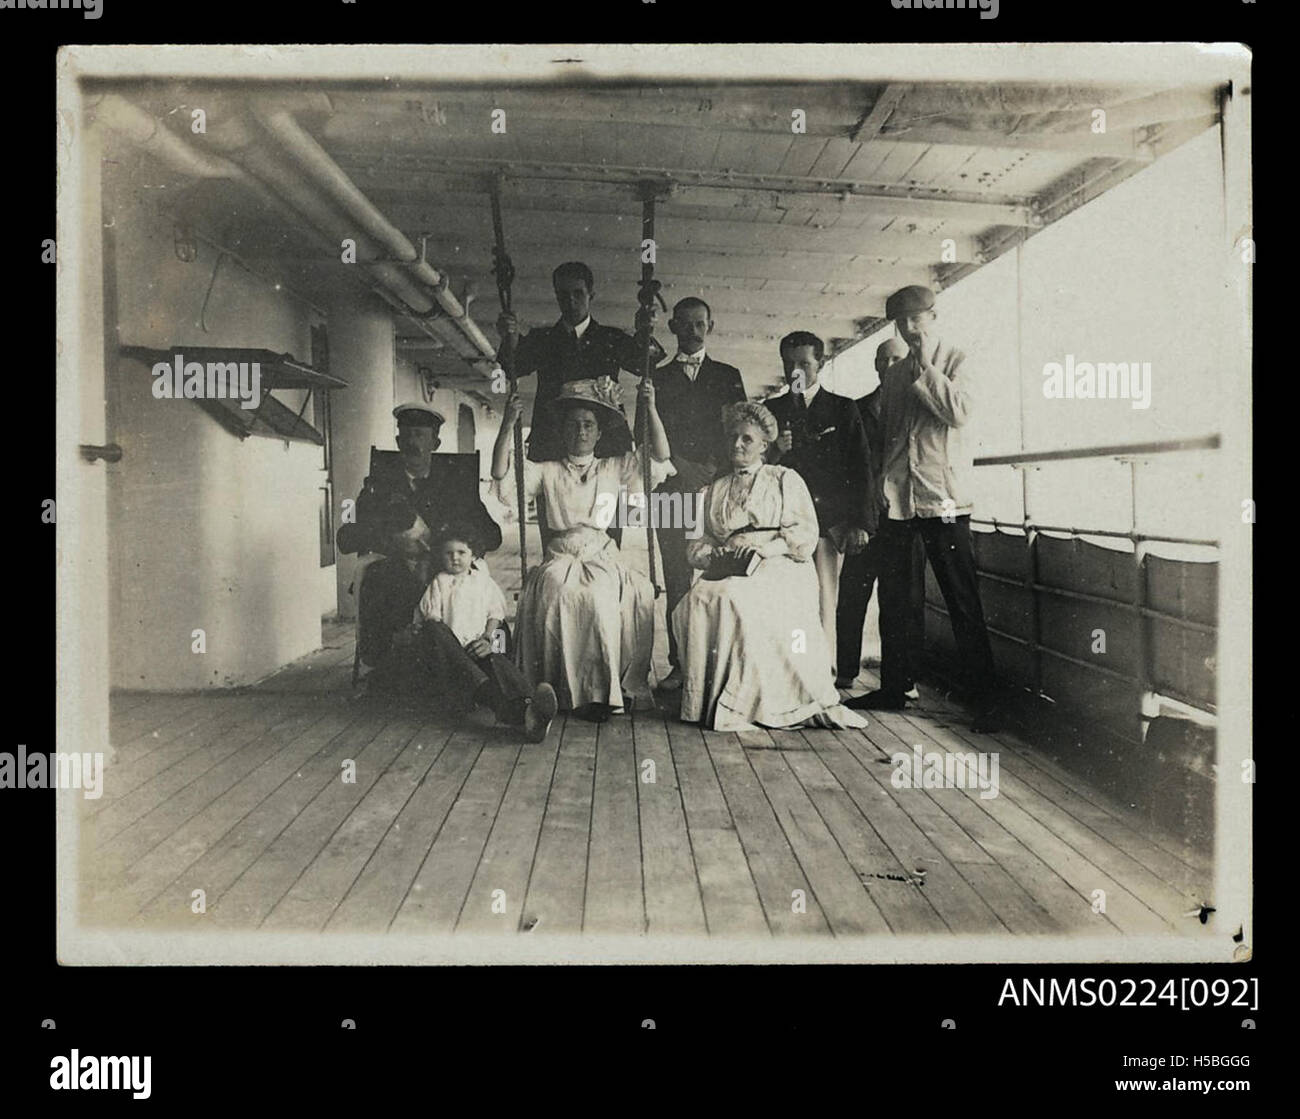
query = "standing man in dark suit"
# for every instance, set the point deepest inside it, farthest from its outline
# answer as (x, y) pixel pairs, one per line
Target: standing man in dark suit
(690, 392)
(822, 437)
(576, 348)
(861, 569)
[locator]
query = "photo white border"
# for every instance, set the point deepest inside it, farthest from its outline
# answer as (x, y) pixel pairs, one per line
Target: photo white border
(82, 582)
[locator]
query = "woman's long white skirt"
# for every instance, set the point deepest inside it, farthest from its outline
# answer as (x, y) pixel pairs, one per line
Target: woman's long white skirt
(753, 652)
(586, 625)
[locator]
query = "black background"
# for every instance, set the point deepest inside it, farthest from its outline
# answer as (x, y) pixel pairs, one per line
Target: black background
(237, 1035)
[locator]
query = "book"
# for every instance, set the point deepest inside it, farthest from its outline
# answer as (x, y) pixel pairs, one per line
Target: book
(725, 564)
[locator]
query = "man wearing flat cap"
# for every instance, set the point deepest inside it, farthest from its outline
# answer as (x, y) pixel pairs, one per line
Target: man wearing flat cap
(402, 507)
(926, 400)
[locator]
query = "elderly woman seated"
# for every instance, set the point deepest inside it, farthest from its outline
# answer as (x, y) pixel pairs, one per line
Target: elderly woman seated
(752, 647)
(586, 622)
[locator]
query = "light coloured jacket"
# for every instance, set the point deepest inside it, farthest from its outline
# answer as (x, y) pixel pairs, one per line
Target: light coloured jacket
(927, 466)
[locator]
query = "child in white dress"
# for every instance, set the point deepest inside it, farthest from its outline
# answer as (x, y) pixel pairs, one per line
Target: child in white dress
(459, 634)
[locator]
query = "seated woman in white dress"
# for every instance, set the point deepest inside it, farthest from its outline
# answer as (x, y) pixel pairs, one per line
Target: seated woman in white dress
(753, 651)
(586, 622)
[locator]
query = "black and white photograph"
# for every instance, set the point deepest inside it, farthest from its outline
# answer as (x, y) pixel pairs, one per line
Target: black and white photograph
(770, 503)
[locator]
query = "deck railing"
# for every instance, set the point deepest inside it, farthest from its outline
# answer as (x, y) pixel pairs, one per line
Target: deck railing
(1173, 640)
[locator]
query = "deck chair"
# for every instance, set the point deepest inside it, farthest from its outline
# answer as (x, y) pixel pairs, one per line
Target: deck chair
(454, 473)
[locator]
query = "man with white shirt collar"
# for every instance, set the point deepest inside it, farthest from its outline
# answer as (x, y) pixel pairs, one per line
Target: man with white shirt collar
(926, 401)
(576, 348)
(691, 389)
(823, 438)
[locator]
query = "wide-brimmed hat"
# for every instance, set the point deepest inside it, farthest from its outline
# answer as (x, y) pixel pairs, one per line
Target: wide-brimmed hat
(598, 393)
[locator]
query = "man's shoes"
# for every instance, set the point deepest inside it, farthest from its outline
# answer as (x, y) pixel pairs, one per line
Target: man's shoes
(878, 701)
(912, 694)
(594, 712)
(672, 682)
(539, 713)
(844, 683)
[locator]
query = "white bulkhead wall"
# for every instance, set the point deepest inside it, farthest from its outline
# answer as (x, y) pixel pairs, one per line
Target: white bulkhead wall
(205, 531)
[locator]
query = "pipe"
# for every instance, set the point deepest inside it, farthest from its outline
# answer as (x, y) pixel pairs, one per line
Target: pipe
(244, 158)
(234, 138)
(156, 139)
(331, 179)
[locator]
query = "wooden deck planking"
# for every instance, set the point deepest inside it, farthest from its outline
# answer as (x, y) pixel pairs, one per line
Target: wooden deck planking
(142, 761)
(439, 891)
(240, 794)
(277, 727)
(727, 889)
(844, 899)
(137, 728)
(249, 900)
(772, 863)
(961, 908)
(1175, 863)
(615, 895)
(244, 844)
(903, 905)
(312, 899)
(178, 765)
(1125, 910)
(557, 887)
(1066, 908)
(373, 899)
(159, 883)
(673, 901)
(495, 903)
(1139, 881)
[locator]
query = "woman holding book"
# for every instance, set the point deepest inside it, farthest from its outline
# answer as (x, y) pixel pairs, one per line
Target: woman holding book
(753, 651)
(586, 621)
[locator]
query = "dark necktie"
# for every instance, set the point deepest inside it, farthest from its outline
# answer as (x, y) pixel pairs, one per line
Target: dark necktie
(799, 421)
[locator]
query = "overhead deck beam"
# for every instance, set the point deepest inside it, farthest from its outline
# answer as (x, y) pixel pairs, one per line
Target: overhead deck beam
(874, 120)
(469, 226)
(721, 189)
(1125, 144)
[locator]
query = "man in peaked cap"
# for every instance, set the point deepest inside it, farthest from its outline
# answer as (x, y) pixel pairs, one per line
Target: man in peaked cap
(408, 481)
(926, 400)
(400, 509)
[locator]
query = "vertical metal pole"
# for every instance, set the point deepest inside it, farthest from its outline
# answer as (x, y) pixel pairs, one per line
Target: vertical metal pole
(504, 272)
(1031, 581)
(646, 297)
(1142, 648)
(1031, 533)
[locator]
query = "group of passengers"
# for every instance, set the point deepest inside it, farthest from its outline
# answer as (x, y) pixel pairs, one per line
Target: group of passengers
(790, 511)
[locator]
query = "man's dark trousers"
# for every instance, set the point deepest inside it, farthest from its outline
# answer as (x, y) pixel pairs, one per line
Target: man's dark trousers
(902, 597)
(858, 577)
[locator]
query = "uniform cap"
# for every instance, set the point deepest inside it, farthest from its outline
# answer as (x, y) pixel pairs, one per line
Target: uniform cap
(417, 412)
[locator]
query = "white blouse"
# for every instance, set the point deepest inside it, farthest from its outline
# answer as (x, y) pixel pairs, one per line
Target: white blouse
(766, 497)
(583, 496)
(464, 603)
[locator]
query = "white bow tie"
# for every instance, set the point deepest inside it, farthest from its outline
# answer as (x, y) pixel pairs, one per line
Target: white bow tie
(691, 359)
